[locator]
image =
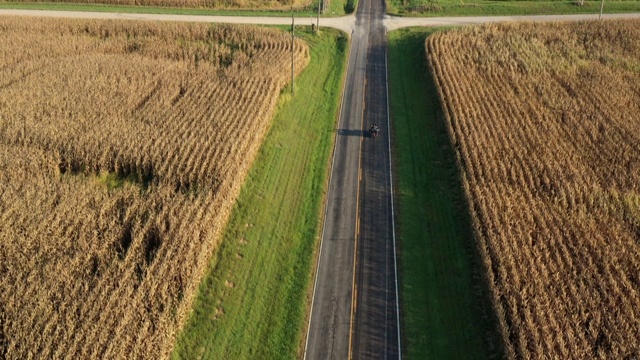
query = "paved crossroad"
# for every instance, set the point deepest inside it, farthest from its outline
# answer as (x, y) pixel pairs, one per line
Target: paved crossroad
(344, 23)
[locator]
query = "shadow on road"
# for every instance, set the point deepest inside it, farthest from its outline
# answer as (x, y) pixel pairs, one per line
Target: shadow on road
(350, 132)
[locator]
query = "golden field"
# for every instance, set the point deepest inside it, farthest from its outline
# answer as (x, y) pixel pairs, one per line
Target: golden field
(123, 146)
(545, 120)
(195, 4)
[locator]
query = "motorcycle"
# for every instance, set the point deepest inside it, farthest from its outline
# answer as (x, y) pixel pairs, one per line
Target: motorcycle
(373, 131)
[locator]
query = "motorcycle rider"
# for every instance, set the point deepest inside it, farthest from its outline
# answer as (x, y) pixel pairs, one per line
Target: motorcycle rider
(374, 128)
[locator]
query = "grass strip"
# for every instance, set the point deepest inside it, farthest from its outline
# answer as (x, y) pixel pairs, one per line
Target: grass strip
(440, 8)
(336, 8)
(445, 306)
(253, 303)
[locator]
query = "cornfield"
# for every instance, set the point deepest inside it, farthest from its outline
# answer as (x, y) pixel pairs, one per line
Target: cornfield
(123, 146)
(284, 5)
(545, 120)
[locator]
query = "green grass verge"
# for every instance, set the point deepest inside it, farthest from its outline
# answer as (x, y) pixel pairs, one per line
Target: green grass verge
(253, 303)
(505, 7)
(446, 311)
(336, 8)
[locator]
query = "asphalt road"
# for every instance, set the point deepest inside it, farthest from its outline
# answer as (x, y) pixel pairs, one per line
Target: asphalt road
(375, 331)
(331, 310)
(356, 316)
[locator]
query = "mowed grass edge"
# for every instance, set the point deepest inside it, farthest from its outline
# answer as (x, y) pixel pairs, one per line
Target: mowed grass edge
(253, 303)
(446, 311)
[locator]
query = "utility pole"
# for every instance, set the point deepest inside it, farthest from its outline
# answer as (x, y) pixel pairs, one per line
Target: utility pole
(601, 8)
(292, 49)
(318, 22)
